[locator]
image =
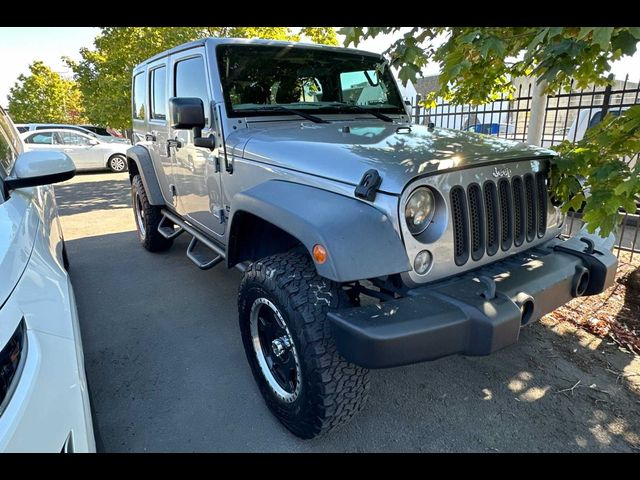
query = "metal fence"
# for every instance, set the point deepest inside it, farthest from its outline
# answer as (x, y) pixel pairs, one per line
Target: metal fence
(568, 115)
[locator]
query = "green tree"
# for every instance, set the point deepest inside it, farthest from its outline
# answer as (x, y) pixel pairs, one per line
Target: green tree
(104, 73)
(45, 96)
(478, 64)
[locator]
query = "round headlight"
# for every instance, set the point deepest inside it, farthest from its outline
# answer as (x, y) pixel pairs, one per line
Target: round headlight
(419, 210)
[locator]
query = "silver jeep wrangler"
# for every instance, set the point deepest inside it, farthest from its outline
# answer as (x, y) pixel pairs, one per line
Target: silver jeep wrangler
(365, 241)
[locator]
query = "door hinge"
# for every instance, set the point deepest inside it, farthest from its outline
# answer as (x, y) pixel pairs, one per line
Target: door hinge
(174, 190)
(221, 215)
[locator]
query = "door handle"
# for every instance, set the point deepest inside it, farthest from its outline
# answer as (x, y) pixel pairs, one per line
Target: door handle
(173, 142)
(150, 137)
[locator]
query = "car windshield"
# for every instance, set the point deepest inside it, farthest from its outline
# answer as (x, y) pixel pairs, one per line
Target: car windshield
(255, 78)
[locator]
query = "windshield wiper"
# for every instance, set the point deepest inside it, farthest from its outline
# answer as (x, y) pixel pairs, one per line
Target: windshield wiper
(313, 118)
(352, 106)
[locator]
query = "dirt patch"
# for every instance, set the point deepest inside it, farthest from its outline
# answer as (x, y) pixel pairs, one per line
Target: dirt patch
(613, 314)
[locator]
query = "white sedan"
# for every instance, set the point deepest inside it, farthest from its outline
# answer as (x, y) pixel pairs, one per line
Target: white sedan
(44, 403)
(87, 153)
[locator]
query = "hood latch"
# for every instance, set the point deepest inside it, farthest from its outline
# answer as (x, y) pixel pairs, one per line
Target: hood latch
(368, 185)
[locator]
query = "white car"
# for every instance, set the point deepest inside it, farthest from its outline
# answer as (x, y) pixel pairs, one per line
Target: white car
(44, 403)
(87, 153)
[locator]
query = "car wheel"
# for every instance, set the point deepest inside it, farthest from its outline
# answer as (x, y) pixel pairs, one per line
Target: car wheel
(117, 163)
(147, 218)
(304, 381)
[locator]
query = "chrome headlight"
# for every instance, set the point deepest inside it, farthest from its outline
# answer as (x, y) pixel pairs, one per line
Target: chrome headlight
(419, 210)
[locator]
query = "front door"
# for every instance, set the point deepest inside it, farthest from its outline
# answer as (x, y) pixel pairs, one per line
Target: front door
(196, 169)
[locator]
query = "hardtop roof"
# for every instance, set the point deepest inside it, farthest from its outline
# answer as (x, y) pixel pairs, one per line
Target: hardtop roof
(249, 41)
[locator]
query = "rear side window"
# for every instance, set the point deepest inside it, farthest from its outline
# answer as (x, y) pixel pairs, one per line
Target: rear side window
(159, 93)
(138, 96)
(22, 129)
(191, 81)
(45, 138)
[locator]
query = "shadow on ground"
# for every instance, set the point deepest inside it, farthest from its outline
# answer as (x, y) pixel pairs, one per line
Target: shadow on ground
(85, 195)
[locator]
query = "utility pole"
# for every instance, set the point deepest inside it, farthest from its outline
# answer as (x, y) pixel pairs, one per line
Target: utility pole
(538, 106)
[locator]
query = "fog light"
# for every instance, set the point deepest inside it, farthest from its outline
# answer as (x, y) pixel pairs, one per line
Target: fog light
(422, 262)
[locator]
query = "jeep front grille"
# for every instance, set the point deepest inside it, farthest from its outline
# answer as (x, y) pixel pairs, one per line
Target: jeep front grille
(460, 225)
(498, 215)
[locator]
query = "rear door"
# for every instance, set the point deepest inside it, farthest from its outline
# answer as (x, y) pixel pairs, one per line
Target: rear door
(82, 149)
(196, 169)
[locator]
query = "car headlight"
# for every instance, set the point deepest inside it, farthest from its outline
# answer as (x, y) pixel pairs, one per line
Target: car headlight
(419, 210)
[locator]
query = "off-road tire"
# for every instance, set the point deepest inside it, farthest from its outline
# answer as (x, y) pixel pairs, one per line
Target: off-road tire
(117, 163)
(149, 236)
(333, 390)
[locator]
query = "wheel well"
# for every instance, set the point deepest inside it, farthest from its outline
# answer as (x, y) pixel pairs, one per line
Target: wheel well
(132, 166)
(252, 238)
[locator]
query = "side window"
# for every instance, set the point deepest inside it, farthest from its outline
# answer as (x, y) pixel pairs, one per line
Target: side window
(68, 138)
(8, 141)
(138, 96)
(159, 93)
(191, 81)
(7, 153)
(40, 138)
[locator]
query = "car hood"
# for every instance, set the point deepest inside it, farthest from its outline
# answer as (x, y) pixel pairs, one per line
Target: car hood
(344, 151)
(17, 235)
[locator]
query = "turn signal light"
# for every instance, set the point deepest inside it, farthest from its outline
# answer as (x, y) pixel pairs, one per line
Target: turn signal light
(319, 253)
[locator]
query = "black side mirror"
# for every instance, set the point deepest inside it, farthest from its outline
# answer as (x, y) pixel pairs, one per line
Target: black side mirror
(187, 113)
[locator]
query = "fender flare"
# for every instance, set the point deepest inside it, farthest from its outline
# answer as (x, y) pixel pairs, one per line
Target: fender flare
(141, 157)
(360, 239)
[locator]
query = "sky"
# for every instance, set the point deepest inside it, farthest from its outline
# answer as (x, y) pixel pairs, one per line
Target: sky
(20, 46)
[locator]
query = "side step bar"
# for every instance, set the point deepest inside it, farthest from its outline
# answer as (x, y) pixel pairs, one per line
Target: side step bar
(202, 261)
(167, 231)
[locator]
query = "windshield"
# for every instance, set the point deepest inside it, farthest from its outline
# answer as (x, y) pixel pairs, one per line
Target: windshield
(255, 78)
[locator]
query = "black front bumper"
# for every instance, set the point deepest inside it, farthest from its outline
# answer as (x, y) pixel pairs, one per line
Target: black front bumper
(461, 316)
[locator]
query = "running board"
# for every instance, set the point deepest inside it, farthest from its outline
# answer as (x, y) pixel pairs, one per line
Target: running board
(201, 260)
(169, 232)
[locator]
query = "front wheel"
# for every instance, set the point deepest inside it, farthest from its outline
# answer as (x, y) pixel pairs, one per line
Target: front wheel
(117, 164)
(147, 218)
(287, 338)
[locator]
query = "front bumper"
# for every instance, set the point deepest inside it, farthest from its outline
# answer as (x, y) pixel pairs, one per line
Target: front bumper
(464, 315)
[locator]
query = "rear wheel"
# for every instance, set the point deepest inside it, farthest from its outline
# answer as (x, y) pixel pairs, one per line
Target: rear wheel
(287, 338)
(117, 163)
(147, 218)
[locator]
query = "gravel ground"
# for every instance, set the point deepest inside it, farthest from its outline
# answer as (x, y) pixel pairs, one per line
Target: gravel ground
(165, 360)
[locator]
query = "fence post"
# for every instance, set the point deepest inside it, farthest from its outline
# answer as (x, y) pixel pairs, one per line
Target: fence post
(417, 114)
(606, 100)
(536, 120)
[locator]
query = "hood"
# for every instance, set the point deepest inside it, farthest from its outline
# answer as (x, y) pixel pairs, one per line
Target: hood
(398, 153)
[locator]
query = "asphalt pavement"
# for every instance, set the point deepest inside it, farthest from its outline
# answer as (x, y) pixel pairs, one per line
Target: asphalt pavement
(165, 360)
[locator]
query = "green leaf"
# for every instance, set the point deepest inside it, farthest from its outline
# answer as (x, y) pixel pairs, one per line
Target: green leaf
(635, 31)
(584, 31)
(602, 36)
